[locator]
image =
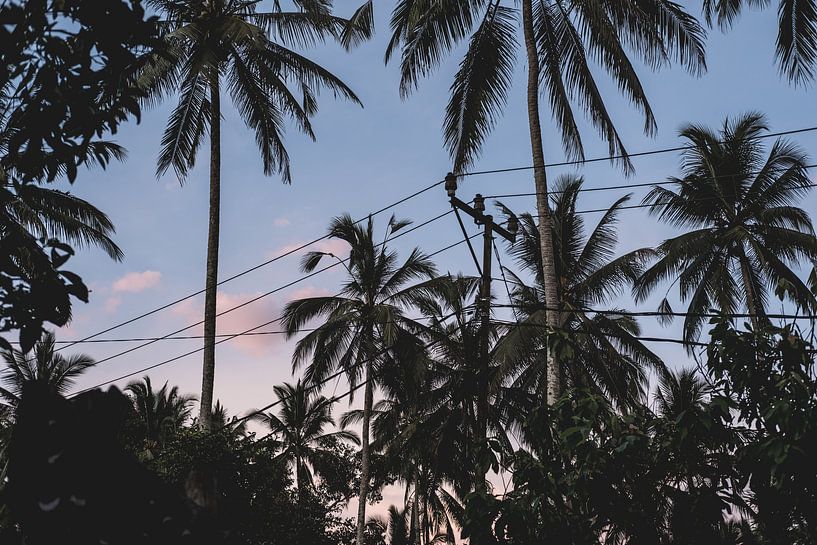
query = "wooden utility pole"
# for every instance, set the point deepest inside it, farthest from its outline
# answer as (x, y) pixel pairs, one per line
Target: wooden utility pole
(477, 211)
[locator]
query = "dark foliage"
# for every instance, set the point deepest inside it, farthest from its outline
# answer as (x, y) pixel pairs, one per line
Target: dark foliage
(65, 82)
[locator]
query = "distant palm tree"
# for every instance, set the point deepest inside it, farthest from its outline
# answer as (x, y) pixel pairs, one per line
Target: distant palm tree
(563, 41)
(215, 42)
(395, 526)
(222, 420)
(43, 365)
(161, 412)
(680, 392)
(744, 232)
(299, 429)
(360, 324)
(454, 421)
(405, 432)
(609, 357)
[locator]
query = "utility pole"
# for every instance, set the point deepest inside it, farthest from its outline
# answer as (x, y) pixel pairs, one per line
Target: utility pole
(484, 304)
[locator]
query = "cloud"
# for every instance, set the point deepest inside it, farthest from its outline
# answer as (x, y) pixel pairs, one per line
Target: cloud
(136, 282)
(281, 222)
(112, 304)
(245, 318)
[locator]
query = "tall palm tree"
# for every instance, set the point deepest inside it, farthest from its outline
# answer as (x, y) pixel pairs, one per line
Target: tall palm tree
(45, 365)
(212, 44)
(360, 324)
(161, 412)
(609, 357)
(744, 230)
(299, 428)
(562, 40)
(796, 44)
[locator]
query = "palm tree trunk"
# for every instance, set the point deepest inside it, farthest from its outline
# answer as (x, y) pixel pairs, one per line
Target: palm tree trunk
(368, 399)
(751, 297)
(415, 514)
(211, 279)
(553, 388)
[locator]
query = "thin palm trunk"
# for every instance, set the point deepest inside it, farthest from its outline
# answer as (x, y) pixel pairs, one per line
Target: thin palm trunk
(364, 453)
(211, 280)
(553, 384)
(415, 512)
(751, 298)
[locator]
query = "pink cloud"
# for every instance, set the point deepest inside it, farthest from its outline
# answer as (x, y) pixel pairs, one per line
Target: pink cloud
(281, 222)
(136, 282)
(112, 304)
(247, 317)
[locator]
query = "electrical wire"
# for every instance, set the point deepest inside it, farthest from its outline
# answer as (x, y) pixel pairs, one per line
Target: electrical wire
(249, 270)
(637, 185)
(258, 297)
(331, 377)
(612, 312)
(626, 156)
(228, 338)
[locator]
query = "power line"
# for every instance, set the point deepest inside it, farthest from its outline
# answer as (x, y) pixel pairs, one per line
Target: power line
(331, 377)
(228, 338)
(614, 312)
(635, 186)
(625, 156)
(249, 270)
(258, 297)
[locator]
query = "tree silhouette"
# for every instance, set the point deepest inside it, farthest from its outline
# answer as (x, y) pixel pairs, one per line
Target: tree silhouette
(210, 46)
(744, 232)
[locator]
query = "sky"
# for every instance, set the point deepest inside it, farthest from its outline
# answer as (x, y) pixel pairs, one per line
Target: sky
(363, 159)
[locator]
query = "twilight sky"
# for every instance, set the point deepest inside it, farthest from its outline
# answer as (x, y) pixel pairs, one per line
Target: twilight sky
(362, 160)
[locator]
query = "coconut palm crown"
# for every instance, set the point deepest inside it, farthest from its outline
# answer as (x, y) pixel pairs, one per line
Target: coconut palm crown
(744, 233)
(363, 322)
(609, 357)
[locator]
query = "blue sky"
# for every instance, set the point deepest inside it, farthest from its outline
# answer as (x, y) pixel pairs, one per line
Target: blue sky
(365, 158)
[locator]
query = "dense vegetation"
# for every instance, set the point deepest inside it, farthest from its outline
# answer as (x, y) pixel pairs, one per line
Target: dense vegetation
(603, 441)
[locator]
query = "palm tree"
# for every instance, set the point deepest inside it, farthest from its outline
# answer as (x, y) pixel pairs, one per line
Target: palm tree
(395, 527)
(796, 44)
(213, 42)
(45, 365)
(744, 230)
(608, 355)
(680, 392)
(34, 219)
(458, 433)
(405, 431)
(221, 420)
(362, 323)
(299, 428)
(161, 412)
(562, 40)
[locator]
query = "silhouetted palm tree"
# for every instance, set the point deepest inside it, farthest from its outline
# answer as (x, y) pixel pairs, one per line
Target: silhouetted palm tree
(360, 324)
(796, 44)
(608, 355)
(161, 412)
(299, 429)
(222, 420)
(43, 365)
(396, 526)
(216, 42)
(744, 231)
(563, 40)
